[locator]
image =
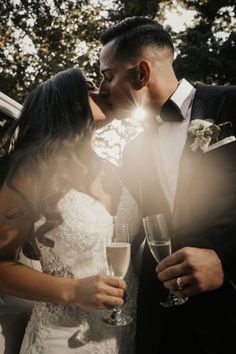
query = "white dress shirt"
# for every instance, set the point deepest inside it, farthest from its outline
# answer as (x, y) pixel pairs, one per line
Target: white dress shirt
(169, 141)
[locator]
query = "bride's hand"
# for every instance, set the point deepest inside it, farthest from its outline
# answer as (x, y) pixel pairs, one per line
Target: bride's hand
(99, 292)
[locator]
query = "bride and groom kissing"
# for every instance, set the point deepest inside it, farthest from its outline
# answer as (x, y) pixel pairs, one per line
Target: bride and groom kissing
(56, 184)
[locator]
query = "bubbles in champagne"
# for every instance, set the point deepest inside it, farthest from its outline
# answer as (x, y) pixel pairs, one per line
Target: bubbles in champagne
(118, 258)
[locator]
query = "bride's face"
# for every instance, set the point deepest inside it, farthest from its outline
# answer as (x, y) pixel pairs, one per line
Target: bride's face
(95, 102)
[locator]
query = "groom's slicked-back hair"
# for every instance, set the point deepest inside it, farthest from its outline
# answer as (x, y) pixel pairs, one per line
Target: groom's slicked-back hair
(134, 33)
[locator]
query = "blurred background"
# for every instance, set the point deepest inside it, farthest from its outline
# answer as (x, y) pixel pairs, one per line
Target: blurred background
(38, 38)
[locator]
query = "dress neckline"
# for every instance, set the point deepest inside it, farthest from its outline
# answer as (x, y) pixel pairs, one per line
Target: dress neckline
(71, 190)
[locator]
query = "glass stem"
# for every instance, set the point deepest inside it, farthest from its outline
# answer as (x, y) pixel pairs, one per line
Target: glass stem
(115, 313)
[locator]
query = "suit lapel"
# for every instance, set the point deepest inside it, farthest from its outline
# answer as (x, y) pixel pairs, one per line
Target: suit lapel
(207, 104)
(188, 175)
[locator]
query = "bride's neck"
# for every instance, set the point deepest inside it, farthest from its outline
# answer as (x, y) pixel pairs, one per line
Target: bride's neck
(86, 168)
(89, 158)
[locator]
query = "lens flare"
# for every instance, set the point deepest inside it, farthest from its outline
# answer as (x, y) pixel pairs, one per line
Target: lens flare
(139, 113)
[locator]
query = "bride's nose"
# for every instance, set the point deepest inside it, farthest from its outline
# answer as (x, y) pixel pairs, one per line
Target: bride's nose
(91, 86)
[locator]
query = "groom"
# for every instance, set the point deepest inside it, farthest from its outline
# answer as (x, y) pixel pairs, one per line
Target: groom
(194, 188)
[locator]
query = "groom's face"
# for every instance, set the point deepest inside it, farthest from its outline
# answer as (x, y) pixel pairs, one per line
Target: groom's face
(119, 95)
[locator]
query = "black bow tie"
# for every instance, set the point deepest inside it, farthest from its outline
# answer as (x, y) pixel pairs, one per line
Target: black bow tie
(170, 112)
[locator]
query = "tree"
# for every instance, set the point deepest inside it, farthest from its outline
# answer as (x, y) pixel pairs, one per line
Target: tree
(40, 38)
(207, 49)
(128, 8)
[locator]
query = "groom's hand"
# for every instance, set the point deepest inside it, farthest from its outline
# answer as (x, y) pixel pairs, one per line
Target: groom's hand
(200, 270)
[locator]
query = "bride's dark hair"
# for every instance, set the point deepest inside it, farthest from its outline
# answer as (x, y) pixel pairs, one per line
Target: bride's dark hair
(54, 127)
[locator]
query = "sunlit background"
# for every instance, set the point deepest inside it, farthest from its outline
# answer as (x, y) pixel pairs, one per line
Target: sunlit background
(40, 38)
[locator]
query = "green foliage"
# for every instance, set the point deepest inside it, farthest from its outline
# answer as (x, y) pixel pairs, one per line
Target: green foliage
(40, 38)
(129, 8)
(207, 50)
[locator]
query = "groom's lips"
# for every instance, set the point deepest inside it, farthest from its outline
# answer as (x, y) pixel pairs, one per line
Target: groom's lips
(107, 103)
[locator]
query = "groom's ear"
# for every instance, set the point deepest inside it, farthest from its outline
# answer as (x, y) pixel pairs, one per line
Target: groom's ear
(141, 75)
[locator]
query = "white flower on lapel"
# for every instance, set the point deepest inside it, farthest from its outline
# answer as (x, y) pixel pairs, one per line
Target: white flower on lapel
(204, 133)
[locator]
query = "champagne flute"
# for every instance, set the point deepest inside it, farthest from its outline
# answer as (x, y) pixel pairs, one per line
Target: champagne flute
(118, 259)
(159, 242)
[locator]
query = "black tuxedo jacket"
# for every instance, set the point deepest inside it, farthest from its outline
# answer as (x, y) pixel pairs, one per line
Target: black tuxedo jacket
(204, 216)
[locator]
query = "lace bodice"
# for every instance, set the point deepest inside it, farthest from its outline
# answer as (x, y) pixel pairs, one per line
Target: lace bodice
(79, 251)
(80, 240)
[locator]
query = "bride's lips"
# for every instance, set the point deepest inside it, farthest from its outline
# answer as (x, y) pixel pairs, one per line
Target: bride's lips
(101, 100)
(102, 113)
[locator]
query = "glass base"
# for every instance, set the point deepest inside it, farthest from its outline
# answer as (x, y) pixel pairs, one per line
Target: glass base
(173, 300)
(118, 319)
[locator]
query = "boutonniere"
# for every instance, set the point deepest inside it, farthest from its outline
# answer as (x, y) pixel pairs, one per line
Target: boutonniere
(205, 133)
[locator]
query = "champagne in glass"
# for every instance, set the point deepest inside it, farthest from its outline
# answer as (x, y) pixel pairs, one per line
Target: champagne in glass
(118, 259)
(159, 242)
(160, 250)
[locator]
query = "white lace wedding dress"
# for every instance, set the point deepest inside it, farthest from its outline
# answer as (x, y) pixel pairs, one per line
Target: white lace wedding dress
(79, 251)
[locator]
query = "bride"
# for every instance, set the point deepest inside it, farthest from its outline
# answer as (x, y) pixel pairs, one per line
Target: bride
(60, 196)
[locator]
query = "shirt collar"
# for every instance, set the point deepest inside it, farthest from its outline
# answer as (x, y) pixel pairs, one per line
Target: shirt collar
(182, 97)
